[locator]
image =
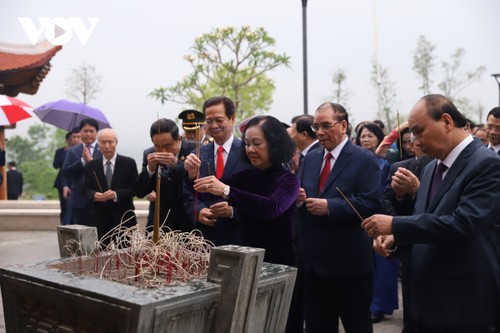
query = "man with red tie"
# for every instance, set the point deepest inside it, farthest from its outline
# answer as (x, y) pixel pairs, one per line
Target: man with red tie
(336, 253)
(222, 157)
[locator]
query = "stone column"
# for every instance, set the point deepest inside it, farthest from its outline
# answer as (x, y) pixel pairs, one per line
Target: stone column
(237, 269)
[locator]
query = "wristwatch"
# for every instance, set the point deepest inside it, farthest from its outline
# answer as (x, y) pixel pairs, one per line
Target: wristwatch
(225, 192)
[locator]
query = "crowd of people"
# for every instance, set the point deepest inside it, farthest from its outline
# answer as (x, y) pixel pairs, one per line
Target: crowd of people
(351, 210)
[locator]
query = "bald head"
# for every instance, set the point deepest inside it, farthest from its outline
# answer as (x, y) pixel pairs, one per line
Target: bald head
(108, 140)
(438, 126)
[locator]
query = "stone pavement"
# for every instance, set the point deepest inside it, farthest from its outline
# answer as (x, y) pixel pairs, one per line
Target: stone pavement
(24, 247)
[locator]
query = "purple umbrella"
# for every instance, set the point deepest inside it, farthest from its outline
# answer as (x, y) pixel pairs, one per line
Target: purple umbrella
(67, 115)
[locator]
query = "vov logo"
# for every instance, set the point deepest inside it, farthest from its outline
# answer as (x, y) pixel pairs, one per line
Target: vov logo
(58, 30)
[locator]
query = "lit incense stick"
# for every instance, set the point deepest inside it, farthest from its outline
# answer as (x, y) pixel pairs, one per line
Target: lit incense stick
(350, 204)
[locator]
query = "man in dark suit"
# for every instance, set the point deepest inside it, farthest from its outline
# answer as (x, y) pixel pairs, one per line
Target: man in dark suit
(186, 148)
(2, 162)
(400, 194)
(72, 138)
(403, 181)
(302, 134)
(109, 181)
(14, 182)
(493, 129)
(152, 195)
(222, 157)
(455, 228)
(76, 159)
(337, 256)
(168, 157)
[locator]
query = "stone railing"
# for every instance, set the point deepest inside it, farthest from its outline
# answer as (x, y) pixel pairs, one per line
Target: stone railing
(16, 215)
(241, 294)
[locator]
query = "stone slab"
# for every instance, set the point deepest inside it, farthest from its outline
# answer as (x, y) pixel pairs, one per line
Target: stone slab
(72, 236)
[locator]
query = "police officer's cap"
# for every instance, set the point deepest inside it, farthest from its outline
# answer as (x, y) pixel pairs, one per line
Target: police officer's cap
(191, 119)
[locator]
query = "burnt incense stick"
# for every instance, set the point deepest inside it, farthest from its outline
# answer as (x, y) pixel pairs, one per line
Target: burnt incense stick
(156, 217)
(350, 204)
(97, 180)
(399, 134)
(198, 143)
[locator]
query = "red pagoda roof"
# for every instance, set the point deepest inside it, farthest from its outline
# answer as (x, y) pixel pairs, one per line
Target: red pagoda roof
(23, 68)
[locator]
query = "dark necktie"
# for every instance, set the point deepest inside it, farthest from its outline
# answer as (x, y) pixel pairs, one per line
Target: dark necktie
(108, 173)
(220, 163)
(325, 172)
(437, 179)
(89, 148)
(301, 158)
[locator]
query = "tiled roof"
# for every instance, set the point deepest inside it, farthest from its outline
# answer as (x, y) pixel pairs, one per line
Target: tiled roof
(12, 59)
(22, 67)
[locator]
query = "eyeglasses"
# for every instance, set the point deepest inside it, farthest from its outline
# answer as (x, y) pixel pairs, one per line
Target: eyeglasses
(324, 126)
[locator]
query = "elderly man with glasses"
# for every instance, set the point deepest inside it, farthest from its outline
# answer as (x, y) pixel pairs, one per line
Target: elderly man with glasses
(337, 255)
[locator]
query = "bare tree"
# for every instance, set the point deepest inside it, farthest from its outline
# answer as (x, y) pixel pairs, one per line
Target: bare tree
(340, 94)
(454, 80)
(83, 84)
(387, 94)
(424, 62)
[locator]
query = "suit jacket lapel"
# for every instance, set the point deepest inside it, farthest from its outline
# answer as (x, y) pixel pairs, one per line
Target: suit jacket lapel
(452, 174)
(338, 166)
(96, 153)
(207, 160)
(314, 163)
(232, 158)
(116, 170)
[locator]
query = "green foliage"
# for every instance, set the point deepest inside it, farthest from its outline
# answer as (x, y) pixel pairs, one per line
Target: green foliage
(34, 155)
(230, 62)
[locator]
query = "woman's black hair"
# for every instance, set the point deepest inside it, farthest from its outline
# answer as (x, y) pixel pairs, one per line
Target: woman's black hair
(372, 127)
(281, 146)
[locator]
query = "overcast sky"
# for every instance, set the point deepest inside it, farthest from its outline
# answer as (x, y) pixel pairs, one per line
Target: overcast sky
(139, 45)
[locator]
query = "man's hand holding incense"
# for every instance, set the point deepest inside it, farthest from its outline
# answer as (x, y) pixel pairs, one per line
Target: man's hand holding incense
(377, 225)
(192, 165)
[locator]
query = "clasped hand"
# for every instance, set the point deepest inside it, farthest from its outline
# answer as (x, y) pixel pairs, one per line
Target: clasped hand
(162, 158)
(404, 182)
(108, 195)
(87, 157)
